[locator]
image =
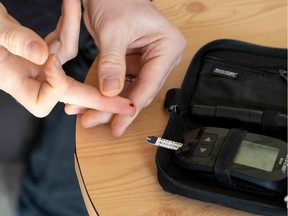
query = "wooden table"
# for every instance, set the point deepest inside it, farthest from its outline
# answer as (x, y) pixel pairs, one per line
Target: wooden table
(118, 175)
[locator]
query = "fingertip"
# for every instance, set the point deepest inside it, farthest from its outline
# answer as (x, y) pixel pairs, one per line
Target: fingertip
(133, 110)
(74, 110)
(24, 42)
(93, 118)
(118, 131)
(120, 124)
(52, 64)
(117, 134)
(37, 52)
(130, 110)
(55, 76)
(117, 105)
(87, 124)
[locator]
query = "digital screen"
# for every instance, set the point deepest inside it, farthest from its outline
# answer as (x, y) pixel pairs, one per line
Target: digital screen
(257, 156)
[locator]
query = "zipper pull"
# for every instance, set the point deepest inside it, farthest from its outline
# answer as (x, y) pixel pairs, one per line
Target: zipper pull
(178, 109)
(283, 74)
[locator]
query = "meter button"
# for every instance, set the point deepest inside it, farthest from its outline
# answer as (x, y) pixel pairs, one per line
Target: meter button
(202, 150)
(208, 139)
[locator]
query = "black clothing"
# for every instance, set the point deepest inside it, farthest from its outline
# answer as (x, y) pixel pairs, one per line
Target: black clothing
(49, 185)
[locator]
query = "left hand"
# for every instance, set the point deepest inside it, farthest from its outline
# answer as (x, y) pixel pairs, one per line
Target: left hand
(27, 71)
(122, 28)
(37, 86)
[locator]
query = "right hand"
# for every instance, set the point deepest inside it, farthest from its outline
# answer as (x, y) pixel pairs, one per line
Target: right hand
(123, 29)
(34, 77)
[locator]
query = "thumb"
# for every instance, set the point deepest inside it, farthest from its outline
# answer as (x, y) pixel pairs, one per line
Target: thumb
(22, 41)
(111, 66)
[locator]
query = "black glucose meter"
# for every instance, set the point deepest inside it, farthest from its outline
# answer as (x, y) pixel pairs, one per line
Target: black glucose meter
(257, 160)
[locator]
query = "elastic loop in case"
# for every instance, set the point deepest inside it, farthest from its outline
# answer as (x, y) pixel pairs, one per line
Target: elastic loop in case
(170, 99)
(270, 122)
(226, 156)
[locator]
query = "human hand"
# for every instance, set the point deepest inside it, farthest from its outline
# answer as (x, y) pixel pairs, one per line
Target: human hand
(20, 40)
(37, 86)
(126, 27)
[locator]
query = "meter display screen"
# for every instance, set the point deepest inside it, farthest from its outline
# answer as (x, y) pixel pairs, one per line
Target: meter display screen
(255, 155)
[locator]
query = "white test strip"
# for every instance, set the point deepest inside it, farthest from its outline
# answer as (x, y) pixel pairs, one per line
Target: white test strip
(165, 143)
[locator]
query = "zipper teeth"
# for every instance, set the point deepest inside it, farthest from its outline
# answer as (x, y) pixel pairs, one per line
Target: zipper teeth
(242, 66)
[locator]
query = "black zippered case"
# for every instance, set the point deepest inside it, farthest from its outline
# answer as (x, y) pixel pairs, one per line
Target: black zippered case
(233, 75)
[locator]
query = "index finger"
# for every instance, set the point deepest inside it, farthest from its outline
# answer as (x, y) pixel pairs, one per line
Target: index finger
(87, 96)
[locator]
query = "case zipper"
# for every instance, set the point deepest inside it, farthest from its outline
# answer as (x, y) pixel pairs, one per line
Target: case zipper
(272, 72)
(283, 74)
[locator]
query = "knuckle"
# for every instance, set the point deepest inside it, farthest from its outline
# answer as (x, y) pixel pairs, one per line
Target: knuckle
(36, 112)
(3, 11)
(111, 61)
(73, 51)
(39, 112)
(9, 36)
(177, 38)
(180, 39)
(104, 24)
(40, 115)
(183, 42)
(3, 54)
(70, 50)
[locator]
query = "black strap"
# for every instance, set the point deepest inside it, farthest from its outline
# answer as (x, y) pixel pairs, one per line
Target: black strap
(270, 122)
(226, 156)
(170, 100)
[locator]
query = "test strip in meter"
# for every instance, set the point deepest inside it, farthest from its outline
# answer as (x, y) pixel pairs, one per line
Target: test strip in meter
(165, 143)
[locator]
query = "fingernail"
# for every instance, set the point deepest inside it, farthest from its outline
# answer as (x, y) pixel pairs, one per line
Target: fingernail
(111, 83)
(35, 53)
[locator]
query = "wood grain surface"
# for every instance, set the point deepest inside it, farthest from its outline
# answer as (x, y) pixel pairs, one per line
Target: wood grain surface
(118, 175)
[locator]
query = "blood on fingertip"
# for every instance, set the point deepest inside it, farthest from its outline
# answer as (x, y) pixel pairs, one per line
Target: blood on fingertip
(131, 105)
